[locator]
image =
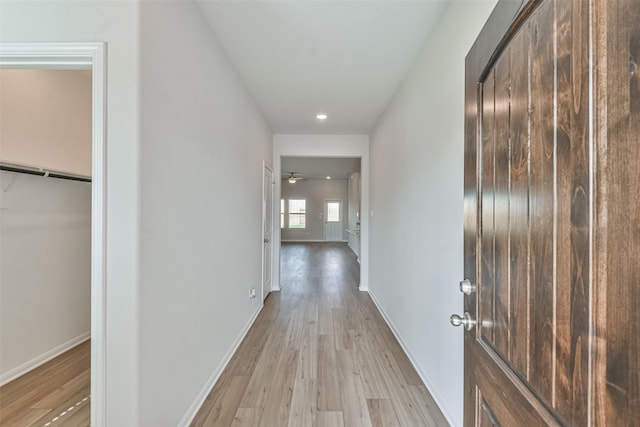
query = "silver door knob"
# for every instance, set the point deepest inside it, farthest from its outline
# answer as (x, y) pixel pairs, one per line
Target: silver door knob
(466, 287)
(465, 321)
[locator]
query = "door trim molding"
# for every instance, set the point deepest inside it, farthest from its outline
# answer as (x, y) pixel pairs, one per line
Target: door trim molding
(77, 56)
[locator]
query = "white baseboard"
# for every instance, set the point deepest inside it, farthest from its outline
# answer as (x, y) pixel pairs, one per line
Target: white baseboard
(446, 411)
(32, 364)
(215, 376)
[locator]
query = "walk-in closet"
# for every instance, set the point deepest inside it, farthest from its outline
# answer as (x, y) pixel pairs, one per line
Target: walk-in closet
(45, 246)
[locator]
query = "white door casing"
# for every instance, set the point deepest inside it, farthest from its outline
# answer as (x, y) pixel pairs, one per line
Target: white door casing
(83, 55)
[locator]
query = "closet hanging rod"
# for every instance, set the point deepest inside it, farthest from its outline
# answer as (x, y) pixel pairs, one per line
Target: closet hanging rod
(10, 167)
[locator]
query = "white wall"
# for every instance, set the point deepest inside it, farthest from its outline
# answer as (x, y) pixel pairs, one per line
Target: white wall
(114, 22)
(315, 192)
(46, 119)
(203, 142)
(45, 279)
(417, 197)
(323, 146)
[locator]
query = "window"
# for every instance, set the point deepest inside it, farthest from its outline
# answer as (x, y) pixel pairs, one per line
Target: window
(333, 211)
(281, 213)
(297, 213)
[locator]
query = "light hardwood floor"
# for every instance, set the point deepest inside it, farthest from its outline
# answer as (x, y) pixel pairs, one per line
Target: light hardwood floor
(54, 394)
(319, 354)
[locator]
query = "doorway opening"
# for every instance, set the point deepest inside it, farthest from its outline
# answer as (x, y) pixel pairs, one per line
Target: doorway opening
(89, 60)
(333, 149)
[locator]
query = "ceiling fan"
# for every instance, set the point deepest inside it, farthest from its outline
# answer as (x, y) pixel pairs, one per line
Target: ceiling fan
(293, 178)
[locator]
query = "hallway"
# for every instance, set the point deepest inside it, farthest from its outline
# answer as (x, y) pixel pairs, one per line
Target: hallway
(319, 354)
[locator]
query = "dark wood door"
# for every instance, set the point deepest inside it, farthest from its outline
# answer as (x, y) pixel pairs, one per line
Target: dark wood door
(552, 215)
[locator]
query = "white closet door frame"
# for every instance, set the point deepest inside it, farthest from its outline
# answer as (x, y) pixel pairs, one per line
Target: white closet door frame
(82, 56)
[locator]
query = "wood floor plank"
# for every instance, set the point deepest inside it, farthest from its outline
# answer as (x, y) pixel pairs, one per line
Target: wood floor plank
(13, 408)
(67, 391)
(403, 399)
(65, 408)
(325, 321)
(370, 371)
(303, 403)
(223, 410)
(308, 355)
(329, 391)
(329, 419)
(247, 417)
(354, 404)
(428, 406)
(219, 388)
(341, 331)
(294, 331)
(26, 417)
(78, 415)
(278, 405)
(382, 413)
(251, 347)
(262, 377)
(382, 334)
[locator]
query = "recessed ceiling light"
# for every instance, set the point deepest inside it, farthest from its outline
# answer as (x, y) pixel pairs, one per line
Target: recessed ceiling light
(321, 116)
(328, 177)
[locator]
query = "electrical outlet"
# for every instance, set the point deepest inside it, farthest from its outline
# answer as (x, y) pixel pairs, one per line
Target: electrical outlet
(252, 293)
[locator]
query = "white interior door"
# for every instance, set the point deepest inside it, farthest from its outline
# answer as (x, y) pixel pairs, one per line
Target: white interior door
(333, 223)
(267, 227)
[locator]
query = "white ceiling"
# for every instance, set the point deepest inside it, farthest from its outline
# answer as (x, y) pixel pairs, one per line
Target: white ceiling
(342, 58)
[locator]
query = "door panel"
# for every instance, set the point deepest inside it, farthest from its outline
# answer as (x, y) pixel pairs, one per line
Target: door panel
(501, 111)
(519, 176)
(541, 199)
(267, 227)
(552, 215)
(539, 350)
(572, 212)
(511, 401)
(486, 294)
(333, 223)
